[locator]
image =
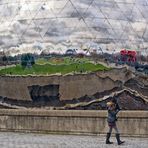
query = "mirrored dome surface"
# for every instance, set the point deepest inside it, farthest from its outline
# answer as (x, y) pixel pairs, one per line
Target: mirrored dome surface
(110, 24)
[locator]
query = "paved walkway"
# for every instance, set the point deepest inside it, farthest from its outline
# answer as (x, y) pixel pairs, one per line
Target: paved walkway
(17, 140)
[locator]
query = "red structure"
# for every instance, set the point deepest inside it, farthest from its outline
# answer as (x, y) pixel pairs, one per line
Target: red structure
(128, 55)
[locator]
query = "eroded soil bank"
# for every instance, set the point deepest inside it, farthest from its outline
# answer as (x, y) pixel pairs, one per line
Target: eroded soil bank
(81, 91)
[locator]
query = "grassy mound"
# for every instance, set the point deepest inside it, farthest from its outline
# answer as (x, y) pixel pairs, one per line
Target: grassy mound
(53, 66)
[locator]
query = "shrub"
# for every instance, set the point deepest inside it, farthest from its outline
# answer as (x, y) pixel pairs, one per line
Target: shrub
(27, 60)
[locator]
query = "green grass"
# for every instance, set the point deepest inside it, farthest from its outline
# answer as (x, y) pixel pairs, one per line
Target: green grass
(41, 61)
(52, 66)
(59, 61)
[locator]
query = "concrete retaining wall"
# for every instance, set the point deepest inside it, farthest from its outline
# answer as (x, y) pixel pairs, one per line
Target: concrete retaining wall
(130, 123)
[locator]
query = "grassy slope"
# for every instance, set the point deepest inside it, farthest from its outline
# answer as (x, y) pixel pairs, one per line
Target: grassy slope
(65, 60)
(52, 69)
(44, 67)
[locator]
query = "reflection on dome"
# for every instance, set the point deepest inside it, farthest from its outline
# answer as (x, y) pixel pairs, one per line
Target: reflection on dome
(111, 24)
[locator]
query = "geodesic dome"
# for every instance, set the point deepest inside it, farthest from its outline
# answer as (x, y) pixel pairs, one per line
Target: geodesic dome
(60, 24)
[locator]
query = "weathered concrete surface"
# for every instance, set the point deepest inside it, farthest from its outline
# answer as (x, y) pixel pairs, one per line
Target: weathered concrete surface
(131, 123)
(21, 140)
(70, 86)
